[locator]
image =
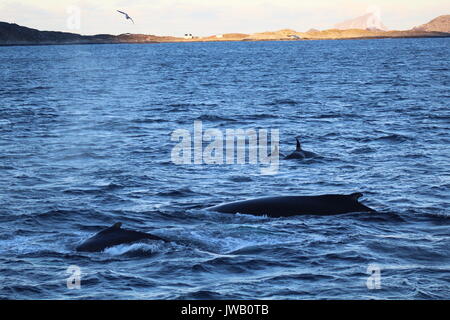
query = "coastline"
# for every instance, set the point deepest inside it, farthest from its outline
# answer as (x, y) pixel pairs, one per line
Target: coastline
(24, 44)
(15, 35)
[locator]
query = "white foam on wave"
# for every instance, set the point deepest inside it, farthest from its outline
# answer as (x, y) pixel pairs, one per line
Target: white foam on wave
(252, 237)
(28, 245)
(4, 122)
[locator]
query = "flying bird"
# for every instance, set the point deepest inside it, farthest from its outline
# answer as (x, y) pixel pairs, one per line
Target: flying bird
(126, 15)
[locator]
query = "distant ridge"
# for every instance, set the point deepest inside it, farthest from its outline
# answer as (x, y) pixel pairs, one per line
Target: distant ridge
(439, 24)
(13, 34)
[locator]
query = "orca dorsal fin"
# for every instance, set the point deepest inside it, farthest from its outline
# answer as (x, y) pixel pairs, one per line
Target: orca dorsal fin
(299, 146)
(117, 225)
(356, 196)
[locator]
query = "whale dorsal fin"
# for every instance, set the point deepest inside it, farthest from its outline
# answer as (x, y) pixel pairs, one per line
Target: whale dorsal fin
(299, 146)
(356, 196)
(117, 225)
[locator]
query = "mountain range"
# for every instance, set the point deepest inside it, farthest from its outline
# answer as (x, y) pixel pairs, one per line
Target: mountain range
(439, 24)
(368, 26)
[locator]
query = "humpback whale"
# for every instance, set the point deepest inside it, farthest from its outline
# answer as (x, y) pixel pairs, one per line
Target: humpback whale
(287, 206)
(114, 236)
(299, 153)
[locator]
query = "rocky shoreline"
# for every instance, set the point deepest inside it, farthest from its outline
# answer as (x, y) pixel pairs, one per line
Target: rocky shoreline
(15, 35)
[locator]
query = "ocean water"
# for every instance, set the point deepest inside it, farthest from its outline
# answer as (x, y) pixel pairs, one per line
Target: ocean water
(86, 142)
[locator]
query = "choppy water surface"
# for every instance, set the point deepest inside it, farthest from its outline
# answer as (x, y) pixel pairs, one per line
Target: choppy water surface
(85, 142)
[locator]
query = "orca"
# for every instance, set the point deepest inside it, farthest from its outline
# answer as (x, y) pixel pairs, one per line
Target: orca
(114, 236)
(330, 204)
(299, 153)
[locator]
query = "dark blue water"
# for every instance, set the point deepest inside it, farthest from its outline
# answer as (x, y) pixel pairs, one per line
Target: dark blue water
(85, 142)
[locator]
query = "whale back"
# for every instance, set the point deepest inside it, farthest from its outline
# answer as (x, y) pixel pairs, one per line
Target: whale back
(113, 236)
(299, 153)
(296, 205)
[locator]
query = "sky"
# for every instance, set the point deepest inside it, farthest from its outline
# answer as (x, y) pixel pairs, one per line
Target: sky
(209, 17)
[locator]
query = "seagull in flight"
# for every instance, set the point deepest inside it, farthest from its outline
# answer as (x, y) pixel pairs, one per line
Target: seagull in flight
(126, 15)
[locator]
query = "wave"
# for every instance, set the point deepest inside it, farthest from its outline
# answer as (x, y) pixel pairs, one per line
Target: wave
(393, 138)
(182, 192)
(240, 179)
(213, 118)
(84, 155)
(283, 102)
(137, 249)
(260, 116)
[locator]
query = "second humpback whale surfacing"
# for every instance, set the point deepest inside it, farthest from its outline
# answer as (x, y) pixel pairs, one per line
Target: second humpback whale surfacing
(114, 236)
(287, 206)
